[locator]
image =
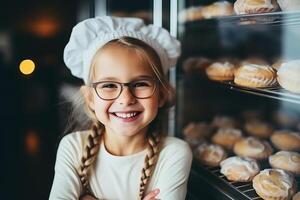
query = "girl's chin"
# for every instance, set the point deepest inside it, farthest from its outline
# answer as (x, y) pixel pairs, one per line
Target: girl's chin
(127, 131)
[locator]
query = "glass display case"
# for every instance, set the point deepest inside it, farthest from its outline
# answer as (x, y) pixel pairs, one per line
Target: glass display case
(230, 77)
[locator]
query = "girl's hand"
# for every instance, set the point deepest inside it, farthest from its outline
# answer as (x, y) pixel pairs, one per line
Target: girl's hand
(151, 195)
(87, 197)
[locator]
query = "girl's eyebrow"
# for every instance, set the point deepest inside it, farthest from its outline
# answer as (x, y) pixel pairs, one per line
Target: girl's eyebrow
(134, 78)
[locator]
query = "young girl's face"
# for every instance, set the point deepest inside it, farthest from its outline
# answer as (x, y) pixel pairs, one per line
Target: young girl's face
(126, 115)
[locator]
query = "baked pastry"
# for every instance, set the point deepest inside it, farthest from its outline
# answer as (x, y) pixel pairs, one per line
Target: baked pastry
(190, 14)
(257, 76)
(288, 76)
(240, 169)
(195, 133)
(255, 6)
(258, 128)
(274, 184)
(226, 137)
(221, 71)
(254, 60)
(296, 196)
(210, 154)
(286, 140)
(253, 148)
(217, 9)
(196, 64)
(221, 121)
(285, 118)
(286, 160)
(252, 114)
(289, 5)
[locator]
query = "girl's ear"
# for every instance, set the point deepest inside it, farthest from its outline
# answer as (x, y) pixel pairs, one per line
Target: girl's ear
(162, 99)
(87, 92)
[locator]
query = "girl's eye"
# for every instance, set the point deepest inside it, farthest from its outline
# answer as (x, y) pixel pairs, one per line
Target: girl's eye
(141, 84)
(108, 85)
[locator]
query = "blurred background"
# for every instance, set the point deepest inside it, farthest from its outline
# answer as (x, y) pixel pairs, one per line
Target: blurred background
(32, 37)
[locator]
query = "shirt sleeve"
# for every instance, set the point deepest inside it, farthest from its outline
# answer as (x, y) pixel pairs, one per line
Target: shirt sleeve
(173, 178)
(66, 184)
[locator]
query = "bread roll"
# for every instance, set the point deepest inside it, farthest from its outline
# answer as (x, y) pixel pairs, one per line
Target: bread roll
(253, 148)
(210, 154)
(286, 140)
(288, 76)
(226, 137)
(289, 5)
(239, 169)
(221, 71)
(286, 160)
(217, 9)
(274, 184)
(257, 76)
(255, 6)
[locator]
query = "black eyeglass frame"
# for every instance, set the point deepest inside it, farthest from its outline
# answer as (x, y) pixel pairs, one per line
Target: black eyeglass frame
(128, 84)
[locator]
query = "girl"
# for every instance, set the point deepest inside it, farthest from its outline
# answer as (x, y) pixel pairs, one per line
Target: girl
(123, 154)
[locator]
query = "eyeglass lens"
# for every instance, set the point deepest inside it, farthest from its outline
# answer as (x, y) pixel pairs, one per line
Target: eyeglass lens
(109, 90)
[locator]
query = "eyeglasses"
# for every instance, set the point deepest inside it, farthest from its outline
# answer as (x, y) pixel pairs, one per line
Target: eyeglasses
(110, 90)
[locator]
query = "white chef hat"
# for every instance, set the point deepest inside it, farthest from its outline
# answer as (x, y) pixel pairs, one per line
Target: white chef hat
(91, 34)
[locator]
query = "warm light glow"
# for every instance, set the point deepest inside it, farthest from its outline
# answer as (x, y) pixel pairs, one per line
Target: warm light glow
(32, 143)
(27, 66)
(43, 26)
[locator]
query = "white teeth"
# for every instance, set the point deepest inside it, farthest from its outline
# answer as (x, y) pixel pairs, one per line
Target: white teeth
(126, 115)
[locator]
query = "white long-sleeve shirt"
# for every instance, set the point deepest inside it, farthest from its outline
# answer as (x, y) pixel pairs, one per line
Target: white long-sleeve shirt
(118, 177)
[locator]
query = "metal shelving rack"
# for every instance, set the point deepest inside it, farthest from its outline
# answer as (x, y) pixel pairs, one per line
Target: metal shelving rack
(210, 179)
(273, 18)
(275, 92)
(223, 188)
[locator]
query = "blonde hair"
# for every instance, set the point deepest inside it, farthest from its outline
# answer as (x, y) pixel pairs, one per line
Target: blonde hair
(154, 135)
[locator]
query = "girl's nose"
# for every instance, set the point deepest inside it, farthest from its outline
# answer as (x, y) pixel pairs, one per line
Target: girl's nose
(126, 97)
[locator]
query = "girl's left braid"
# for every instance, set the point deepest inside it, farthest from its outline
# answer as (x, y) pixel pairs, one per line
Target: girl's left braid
(150, 162)
(91, 150)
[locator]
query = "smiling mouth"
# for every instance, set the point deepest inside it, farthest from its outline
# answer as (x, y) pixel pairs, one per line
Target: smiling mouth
(126, 115)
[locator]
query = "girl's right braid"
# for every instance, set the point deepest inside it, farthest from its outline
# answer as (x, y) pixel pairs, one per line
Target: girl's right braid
(149, 164)
(90, 152)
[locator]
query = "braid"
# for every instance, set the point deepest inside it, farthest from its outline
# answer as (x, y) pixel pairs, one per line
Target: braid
(90, 152)
(150, 162)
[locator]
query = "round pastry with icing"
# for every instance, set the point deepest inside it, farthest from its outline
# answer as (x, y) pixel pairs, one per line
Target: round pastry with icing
(286, 160)
(210, 154)
(288, 76)
(217, 9)
(254, 60)
(274, 184)
(221, 71)
(221, 121)
(240, 169)
(226, 137)
(196, 132)
(289, 5)
(253, 148)
(255, 6)
(286, 140)
(257, 76)
(190, 14)
(258, 128)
